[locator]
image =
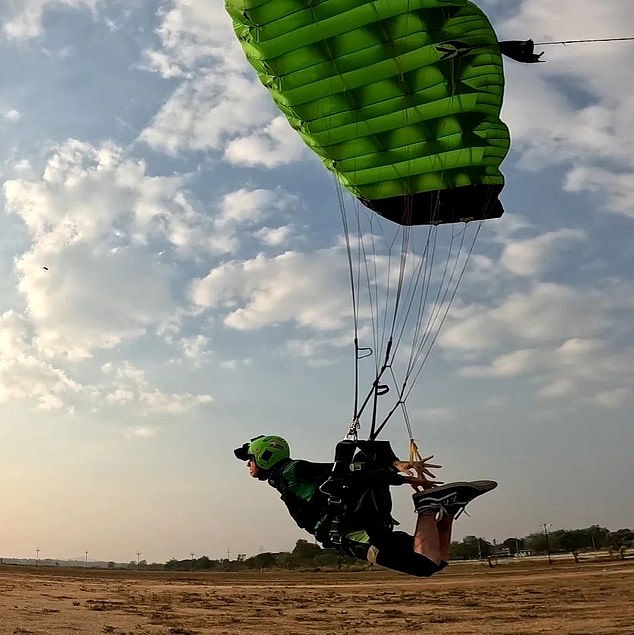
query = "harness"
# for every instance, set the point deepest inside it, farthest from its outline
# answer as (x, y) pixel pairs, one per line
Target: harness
(354, 501)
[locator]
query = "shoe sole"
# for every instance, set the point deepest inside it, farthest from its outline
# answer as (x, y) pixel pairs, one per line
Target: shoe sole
(441, 496)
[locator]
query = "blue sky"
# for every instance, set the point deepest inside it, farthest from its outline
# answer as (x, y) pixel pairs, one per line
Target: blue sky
(196, 289)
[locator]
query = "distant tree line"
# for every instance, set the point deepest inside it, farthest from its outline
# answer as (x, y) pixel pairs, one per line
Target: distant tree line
(572, 541)
(308, 555)
(305, 555)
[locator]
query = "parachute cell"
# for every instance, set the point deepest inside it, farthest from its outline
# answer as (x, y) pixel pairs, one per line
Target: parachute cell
(399, 98)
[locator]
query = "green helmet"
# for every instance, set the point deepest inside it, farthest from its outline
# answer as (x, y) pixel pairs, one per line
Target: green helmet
(268, 451)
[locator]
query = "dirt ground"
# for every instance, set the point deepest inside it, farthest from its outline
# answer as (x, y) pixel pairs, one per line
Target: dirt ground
(595, 598)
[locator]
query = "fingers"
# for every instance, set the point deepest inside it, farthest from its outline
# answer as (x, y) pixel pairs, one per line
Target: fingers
(416, 480)
(421, 468)
(424, 460)
(425, 469)
(427, 458)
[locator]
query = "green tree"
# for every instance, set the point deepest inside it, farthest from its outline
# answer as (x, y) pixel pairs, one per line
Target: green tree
(573, 541)
(261, 561)
(203, 563)
(622, 538)
(470, 548)
(599, 536)
(287, 561)
(537, 542)
(514, 545)
(305, 550)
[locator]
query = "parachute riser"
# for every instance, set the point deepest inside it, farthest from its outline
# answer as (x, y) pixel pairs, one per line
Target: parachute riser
(377, 388)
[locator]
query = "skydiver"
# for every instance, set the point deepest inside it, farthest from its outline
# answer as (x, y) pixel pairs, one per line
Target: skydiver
(304, 487)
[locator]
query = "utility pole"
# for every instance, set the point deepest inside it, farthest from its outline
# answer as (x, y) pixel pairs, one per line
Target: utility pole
(546, 526)
(86, 558)
(37, 556)
(192, 554)
(138, 559)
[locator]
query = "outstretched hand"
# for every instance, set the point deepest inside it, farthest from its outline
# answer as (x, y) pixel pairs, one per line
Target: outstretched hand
(417, 473)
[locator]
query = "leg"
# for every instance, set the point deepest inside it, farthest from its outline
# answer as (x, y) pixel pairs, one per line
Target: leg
(444, 526)
(427, 537)
(433, 538)
(394, 550)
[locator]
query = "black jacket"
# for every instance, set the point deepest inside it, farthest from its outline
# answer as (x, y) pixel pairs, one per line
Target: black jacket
(298, 483)
(367, 502)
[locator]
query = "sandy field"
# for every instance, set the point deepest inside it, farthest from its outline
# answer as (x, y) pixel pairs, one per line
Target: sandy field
(594, 598)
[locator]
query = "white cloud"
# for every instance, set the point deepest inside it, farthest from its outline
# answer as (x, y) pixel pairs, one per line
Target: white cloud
(508, 365)
(106, 239)
(572, 350)
(92, 298)
(218, 103)
(141, 432)
(573, 353)
(91, 192)
(203, 112)
(12, 115)
(308, 289)
(218, 97)
(615, 397)
(271, 146)
(575, 110)
(100, 225)
(22, 19)
(617, 187)
(591, 371)
(195, 347)
(318, 351)
(532, 256)
(557, 388)
(547, 312)
(25, 377)
(92, 217)
(194, 350)
(128, 385)
(236, 364)
(440, 415)
(275, 236)
(241, 214)
(246, 206)
(194, 33)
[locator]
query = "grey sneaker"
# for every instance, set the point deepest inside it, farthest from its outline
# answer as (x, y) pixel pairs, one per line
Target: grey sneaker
(452, 498)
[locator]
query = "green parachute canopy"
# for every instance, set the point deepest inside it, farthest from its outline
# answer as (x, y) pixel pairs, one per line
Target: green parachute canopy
(399, 98)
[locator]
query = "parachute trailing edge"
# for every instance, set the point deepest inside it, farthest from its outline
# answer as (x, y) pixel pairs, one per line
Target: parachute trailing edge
(400, 99)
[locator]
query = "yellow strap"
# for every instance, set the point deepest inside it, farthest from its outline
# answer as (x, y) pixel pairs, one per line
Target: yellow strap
(414, 452)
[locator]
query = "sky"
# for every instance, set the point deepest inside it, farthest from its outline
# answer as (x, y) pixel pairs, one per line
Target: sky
(173, 282)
